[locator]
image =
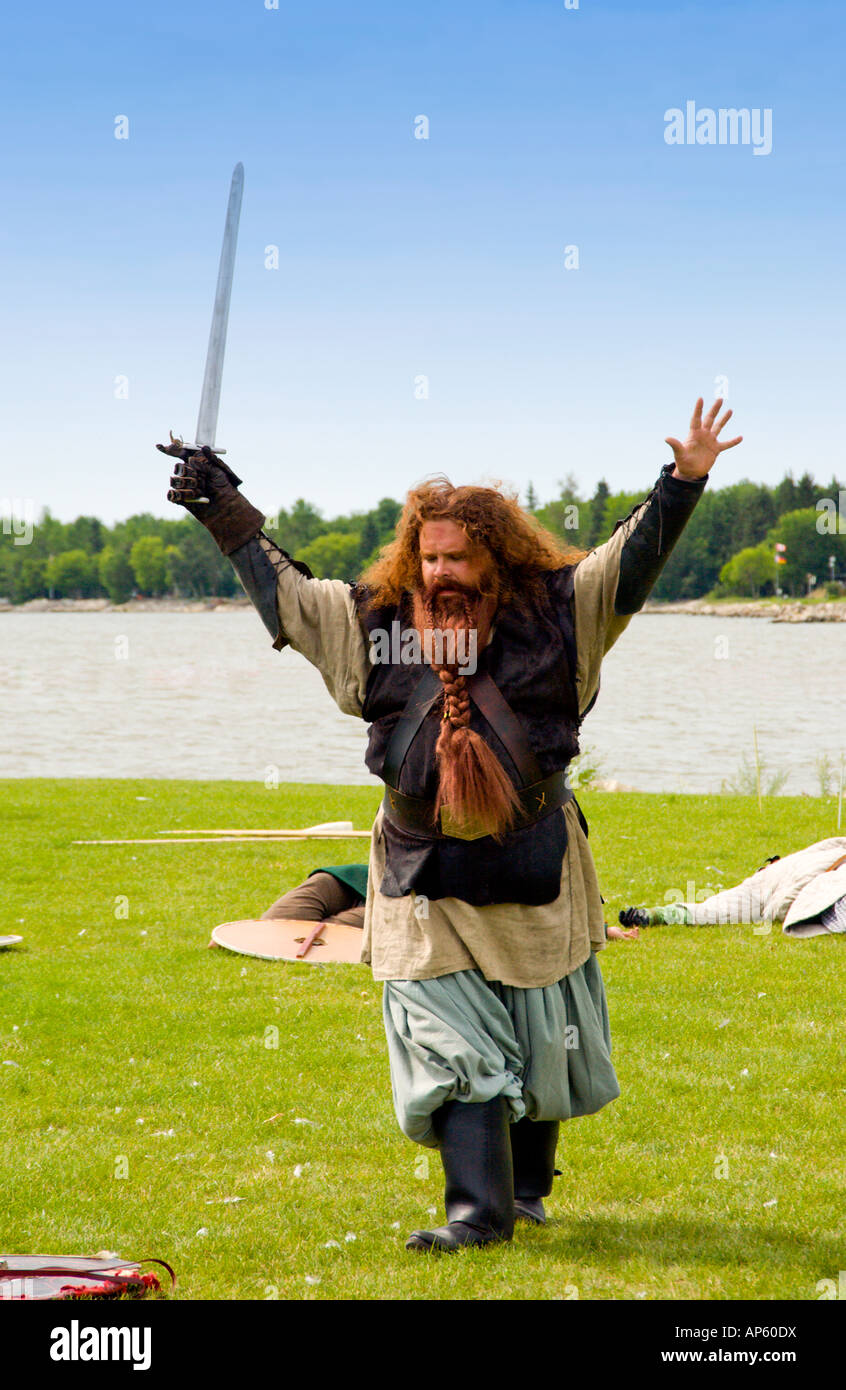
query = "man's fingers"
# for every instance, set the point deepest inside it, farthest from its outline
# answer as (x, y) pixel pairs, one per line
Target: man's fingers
(712, 413)
(729, 444)
(187, 483)
(184, 475)
(190, 467)
(723, 419)
(696, 417)
(674, 444)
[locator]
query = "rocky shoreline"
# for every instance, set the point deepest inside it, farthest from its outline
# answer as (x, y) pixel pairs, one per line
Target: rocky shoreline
(791, 611)
(134, 605)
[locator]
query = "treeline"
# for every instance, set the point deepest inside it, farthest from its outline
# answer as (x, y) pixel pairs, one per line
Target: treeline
(153, 556)
(728, 545)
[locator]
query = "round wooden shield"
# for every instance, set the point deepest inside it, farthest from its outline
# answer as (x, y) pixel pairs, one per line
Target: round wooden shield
(277, 939)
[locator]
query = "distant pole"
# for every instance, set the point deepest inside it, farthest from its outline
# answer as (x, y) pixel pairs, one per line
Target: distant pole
(757, 767)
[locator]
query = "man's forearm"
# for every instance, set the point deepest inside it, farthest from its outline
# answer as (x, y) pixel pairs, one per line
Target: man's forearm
(258, 565)
(647, 549)
(255, 570)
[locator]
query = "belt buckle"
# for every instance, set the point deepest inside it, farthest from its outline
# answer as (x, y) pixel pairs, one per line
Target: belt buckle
(459, 829)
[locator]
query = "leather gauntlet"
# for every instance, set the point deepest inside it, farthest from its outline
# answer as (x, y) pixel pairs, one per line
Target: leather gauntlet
(228, 516)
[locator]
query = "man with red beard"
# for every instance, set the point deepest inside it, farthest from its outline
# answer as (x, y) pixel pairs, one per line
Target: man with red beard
(483, 914)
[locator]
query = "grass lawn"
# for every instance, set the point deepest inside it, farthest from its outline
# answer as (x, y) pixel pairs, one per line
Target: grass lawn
(148, 1083)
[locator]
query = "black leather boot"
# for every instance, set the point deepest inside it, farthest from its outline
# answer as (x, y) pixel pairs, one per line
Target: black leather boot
(475, 1149)
(533, 1144)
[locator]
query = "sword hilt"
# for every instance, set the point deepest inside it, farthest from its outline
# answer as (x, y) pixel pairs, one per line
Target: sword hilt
(185, 449)
(198, 449)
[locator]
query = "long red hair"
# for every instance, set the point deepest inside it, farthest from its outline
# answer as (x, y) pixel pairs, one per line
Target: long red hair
(520, 549)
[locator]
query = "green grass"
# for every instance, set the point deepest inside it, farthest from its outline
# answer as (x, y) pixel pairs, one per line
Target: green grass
(728, 1045)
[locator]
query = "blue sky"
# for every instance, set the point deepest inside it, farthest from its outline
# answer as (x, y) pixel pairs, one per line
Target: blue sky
(402, 258)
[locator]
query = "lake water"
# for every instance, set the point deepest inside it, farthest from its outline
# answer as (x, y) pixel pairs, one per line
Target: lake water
(203, 695)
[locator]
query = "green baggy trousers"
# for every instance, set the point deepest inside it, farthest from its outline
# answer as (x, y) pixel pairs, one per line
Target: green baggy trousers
(462, 1037)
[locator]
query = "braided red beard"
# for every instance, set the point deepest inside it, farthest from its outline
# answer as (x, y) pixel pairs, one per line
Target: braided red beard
(472, 783)
(457, 608)
(465, 610)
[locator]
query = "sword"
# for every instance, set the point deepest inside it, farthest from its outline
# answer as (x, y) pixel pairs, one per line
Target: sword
(210, 397)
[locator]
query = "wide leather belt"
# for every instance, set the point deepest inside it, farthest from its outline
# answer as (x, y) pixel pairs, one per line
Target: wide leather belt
(417, 816)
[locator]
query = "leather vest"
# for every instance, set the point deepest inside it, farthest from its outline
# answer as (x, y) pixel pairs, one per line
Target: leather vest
(531, 658)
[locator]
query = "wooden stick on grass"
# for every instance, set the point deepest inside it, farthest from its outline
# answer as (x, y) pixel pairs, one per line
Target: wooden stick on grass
(263, 838)
(324, 830)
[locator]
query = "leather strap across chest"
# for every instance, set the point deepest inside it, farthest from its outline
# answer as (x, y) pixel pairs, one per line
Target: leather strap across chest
(539, 795)
(422, 698)
(488, 699)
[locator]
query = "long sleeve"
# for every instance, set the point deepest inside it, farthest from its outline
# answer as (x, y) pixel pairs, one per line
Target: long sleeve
(316, 617)
(614, 581)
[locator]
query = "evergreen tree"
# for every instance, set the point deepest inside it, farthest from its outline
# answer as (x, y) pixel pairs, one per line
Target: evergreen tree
(568, 517)
(807, 492)
(597, 515)
(86, 533)
(369, 541)
(387, 515)
(300, 526)
(617, 507)
(785, 496)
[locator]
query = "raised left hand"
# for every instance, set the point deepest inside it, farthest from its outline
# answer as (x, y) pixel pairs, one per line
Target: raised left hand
(697, 456)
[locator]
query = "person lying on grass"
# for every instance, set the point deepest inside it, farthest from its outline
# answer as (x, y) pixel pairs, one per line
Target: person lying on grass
(806, 891)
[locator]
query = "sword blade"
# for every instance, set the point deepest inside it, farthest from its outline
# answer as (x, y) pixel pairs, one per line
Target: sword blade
(210, 398)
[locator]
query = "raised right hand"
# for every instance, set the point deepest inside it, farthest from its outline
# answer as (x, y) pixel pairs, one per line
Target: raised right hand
(199, 477)
(206, 487)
